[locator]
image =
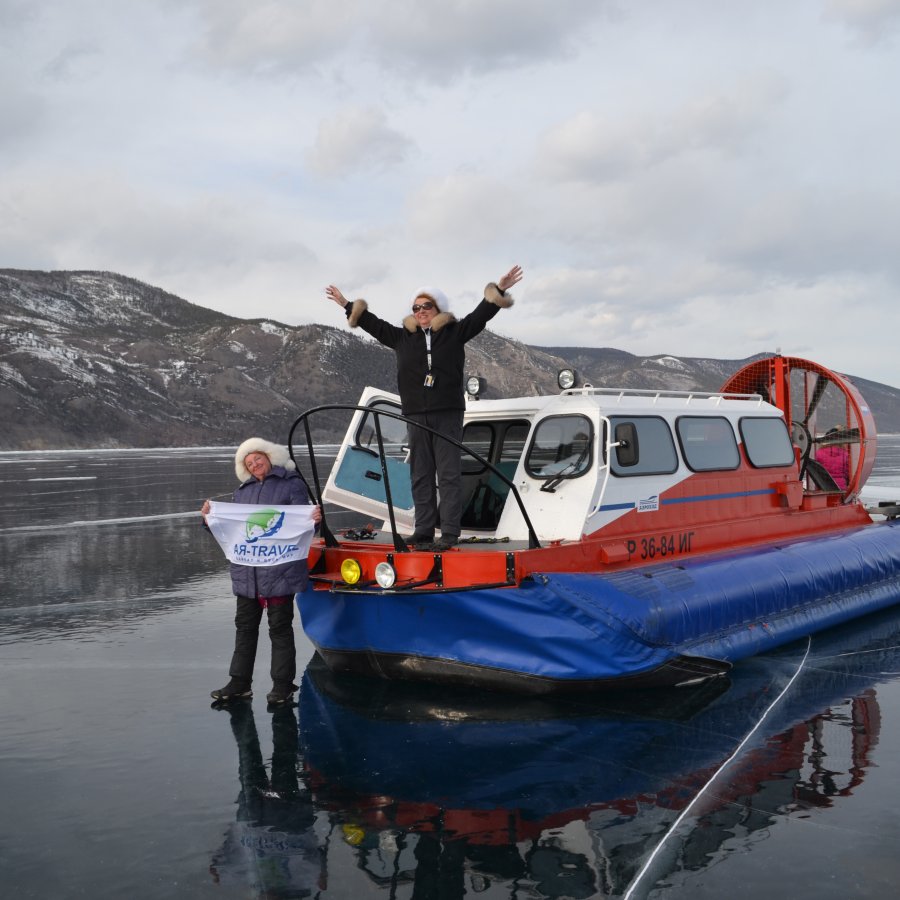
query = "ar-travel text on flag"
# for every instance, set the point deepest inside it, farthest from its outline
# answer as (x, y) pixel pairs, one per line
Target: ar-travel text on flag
(261, 535)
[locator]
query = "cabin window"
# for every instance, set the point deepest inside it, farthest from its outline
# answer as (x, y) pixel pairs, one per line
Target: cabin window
(766, 442)
(561, 447)
(477, 436)
(648, 449)
(484, 492)
(393, 431)
(500, 443)
(707, 443)
(513, 444)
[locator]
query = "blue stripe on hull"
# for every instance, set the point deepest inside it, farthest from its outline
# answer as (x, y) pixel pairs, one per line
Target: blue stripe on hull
(592, 626)
(696, 498)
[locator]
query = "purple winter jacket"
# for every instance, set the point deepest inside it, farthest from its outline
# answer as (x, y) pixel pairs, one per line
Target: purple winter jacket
(281, 487)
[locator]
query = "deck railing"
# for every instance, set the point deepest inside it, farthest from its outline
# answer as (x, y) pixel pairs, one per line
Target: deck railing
(619, 394)
(399, 544)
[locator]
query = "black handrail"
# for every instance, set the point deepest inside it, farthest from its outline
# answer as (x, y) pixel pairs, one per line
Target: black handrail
(399, 543)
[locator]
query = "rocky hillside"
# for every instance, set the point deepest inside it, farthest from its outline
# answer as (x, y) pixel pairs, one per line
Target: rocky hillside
(95, 359)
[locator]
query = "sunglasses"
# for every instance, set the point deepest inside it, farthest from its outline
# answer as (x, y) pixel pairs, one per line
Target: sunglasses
(426, 305)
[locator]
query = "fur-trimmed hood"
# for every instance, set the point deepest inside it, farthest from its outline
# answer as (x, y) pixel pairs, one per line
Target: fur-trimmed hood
(492, 294)
(278, 456)
(437, 323)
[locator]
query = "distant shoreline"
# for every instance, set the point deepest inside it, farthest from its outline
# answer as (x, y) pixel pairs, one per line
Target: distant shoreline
(228, 448)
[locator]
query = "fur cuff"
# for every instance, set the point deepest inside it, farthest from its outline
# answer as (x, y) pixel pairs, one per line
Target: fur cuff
(494, 295)
(359, 307)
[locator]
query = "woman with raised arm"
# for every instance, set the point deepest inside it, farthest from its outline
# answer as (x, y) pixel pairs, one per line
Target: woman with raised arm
(430, 349)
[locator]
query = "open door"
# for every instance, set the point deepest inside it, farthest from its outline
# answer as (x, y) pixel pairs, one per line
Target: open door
(357, 479)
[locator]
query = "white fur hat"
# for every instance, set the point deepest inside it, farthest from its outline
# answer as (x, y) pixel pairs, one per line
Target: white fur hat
(277, 454)
(436, 294)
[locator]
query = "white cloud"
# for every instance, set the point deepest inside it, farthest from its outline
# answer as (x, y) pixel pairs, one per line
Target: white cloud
(872, 21)
(804, 235)
(443, 38)
(435, 38)
(101, 221)
(465, 209)
(692, 178)
(23, 115)
(604, 146)
(14, 12)
(273, 36)
(356, 139)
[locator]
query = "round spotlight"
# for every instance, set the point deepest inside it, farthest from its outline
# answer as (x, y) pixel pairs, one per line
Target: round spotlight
(565, 379)
(473, 385)
(385, 574)
(351, 571)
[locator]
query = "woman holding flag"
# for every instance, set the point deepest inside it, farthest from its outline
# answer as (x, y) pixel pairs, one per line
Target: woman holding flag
(267, 477)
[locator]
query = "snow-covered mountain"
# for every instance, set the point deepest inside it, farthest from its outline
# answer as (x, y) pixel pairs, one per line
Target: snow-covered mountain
(96, 359)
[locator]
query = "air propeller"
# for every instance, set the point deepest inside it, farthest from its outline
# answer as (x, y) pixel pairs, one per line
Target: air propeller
(793, 384)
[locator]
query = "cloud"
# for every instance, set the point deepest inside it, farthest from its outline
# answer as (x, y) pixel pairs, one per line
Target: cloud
(446, 38)
(467, 210)
(273, 36)
(595, 146)
(646, 313)
(678, 178)
(871, 21)
(804, 235)
(102, 221)
(356, 139)
(23, 114)
(72, 60)
(437, 39)
(14, 13)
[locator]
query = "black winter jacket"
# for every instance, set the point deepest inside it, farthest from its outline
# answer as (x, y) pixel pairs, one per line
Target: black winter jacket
(448, 357)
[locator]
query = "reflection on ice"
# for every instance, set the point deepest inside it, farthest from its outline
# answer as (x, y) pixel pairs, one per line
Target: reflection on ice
(272, 846)
(111, 634)
(574, 798)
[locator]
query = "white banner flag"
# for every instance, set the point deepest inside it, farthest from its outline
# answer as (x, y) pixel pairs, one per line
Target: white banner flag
(254, 535)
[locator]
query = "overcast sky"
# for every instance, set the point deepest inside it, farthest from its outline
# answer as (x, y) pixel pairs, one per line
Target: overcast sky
(693, 177)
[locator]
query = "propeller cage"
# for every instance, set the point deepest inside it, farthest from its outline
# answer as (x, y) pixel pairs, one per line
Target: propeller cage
(821, 408)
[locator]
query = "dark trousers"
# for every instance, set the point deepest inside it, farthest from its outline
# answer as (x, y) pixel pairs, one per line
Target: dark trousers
(436, 466)
(247, 618)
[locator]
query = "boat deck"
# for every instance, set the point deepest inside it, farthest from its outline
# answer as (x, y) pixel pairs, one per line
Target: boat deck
(382, 540)
(504, 545)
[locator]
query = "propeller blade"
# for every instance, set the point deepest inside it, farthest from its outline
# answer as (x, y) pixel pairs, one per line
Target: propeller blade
(818, 391)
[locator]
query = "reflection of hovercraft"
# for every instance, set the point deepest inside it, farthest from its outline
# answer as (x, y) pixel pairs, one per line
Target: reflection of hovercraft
(420, 701)
(487, 771)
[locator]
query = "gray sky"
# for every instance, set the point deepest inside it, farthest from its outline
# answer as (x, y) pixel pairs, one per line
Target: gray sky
(694, 177)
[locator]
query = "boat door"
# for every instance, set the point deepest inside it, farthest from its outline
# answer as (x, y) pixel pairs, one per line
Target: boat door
(560, 474)
(356, 481)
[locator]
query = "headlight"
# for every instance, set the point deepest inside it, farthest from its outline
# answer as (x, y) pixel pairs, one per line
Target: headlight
(385, 574)
(473, 385)
(351, 571)
(566, 378)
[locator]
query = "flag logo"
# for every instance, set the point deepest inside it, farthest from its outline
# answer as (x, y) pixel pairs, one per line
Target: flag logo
(263, 524)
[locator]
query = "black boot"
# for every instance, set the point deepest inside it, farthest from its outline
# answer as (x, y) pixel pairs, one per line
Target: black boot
(281, 694)
(236, 689)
